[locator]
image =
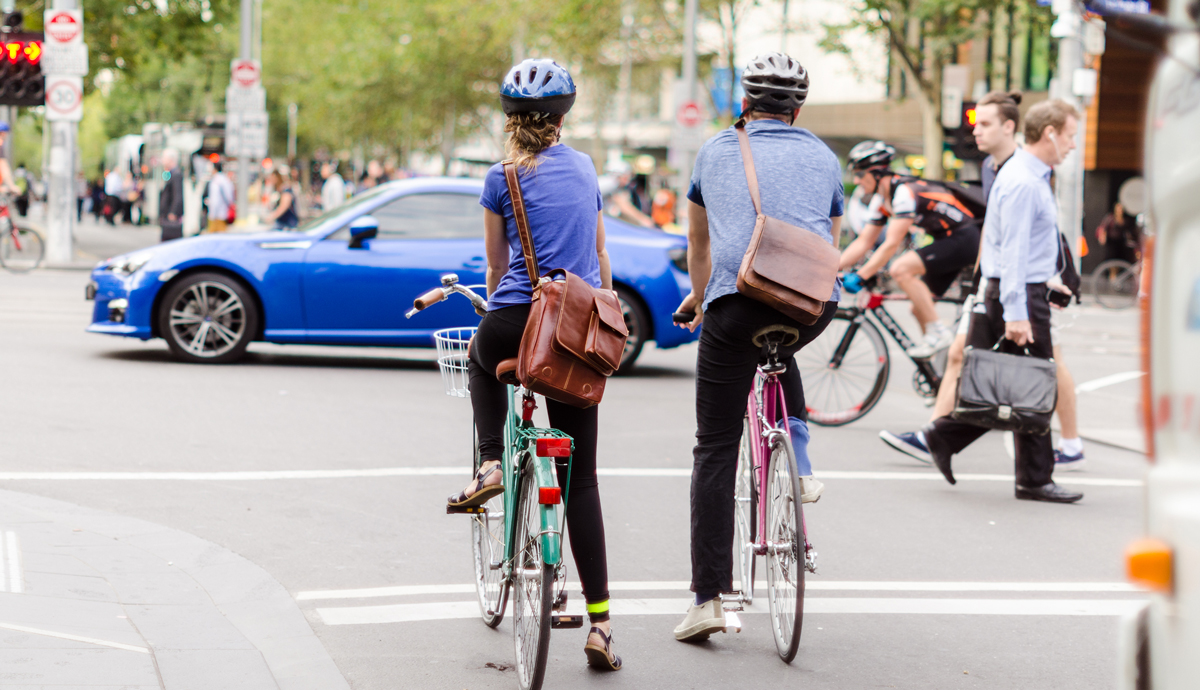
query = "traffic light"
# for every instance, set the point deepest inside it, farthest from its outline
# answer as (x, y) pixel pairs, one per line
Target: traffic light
(962, 138)
(21, 80)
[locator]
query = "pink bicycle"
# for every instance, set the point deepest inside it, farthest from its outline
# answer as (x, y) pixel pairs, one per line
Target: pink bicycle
(769, 519)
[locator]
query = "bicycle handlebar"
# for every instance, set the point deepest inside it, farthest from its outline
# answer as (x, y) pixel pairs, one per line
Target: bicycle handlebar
(449, 287)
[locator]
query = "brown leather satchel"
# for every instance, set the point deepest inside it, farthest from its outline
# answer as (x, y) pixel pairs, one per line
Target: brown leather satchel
(575, 334)
(790, 269)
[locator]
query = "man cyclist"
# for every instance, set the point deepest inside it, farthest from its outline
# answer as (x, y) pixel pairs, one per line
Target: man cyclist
(801, 184)
(7, 181)
(901, 203)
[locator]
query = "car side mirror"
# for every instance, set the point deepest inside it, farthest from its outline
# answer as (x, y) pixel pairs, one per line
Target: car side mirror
(362, 229)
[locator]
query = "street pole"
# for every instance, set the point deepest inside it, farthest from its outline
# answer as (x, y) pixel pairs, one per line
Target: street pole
(1068, 29)
(243, 168)
(688, 154)
(292, 110)
(60, 192)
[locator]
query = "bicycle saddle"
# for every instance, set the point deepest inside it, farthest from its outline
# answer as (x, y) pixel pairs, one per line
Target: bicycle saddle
(775, 333)
(506, 371)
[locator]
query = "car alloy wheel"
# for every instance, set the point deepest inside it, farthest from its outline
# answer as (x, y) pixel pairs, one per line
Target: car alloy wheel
(208, 318)
(638, 324)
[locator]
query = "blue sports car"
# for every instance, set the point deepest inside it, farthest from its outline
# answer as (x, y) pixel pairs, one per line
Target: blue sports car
(348, 276)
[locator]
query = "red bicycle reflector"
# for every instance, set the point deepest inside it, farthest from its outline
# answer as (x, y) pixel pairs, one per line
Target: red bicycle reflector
(554, 447)
(549, 495)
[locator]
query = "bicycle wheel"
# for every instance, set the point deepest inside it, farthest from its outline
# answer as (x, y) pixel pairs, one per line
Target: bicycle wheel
(487, 548)
(746, 514)
(533, 588)
(785, 549)
(21, 249)
(844, 370)
(1115, 284)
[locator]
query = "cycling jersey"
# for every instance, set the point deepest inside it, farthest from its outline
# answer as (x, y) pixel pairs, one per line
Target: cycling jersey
(931, 206)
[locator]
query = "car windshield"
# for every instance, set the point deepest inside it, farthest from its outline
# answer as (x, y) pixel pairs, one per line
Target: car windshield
(356, 202)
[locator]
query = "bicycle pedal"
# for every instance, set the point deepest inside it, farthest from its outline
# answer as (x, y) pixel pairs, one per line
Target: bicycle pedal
(563, 620)
(732, 601)
(468, 510)
(733, 623)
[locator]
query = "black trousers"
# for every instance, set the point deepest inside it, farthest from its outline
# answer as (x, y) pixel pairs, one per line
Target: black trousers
(725, 369)
(498, 338)
(1035, 454)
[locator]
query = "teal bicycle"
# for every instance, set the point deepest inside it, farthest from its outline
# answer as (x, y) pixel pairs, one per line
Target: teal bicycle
(516, 536)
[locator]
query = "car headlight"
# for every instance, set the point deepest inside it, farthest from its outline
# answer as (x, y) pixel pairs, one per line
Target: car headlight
(128, 265)
(679, 258)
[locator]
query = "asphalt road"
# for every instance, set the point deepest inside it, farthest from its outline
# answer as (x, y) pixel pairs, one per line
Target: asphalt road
(905, 595)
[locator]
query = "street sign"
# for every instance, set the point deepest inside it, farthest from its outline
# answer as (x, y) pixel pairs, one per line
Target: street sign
(689, 114)
(246, 134)
(64, 52)
(239, 100)
(64, 98)
(246, 74)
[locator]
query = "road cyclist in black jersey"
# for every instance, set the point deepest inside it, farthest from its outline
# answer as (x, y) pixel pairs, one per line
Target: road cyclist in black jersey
(949, 241)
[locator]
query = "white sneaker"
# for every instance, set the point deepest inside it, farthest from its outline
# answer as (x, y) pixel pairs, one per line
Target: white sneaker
(701, 621)
(939, 338)
(810, 489)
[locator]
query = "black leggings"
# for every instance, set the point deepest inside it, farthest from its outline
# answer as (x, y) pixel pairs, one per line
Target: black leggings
(499, 338)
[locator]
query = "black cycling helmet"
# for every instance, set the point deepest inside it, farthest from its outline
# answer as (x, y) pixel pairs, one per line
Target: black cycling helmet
(775, 83)
(871, 154)
(537, 86)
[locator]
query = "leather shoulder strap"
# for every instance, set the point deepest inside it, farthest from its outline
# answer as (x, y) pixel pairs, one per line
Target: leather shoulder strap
(748, 163)
(518, 204)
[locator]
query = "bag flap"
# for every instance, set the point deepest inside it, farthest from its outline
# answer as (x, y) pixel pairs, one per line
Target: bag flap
(997, 378)
(610, 313)
(796, 258)
(575, 305)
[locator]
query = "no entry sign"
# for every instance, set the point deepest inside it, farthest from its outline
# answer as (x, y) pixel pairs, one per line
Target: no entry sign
(63, 26)
(246, 73)
(689, 114)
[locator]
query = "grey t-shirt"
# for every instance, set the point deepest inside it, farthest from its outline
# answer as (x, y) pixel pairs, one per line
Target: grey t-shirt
(799, 179)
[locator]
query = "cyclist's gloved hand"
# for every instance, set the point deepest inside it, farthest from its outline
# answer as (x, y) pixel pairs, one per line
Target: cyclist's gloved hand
(852, 283)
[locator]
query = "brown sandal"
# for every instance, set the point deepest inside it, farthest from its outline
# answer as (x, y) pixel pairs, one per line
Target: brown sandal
(482, 493)
(602, 657)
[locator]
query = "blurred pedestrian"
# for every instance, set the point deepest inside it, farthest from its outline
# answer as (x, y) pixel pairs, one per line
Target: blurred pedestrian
(170, 200)
(7, 179)
(1019, 255)
(620, 203)
(24, 183)
(112, 196)
(333, 189)
(220, 199)
(282, 210)
(662, 209)
(82, 194)
(129, 197)
(1119, 234)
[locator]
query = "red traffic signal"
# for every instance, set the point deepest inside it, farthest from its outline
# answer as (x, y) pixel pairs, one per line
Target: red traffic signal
(21, 80)
(969, 116)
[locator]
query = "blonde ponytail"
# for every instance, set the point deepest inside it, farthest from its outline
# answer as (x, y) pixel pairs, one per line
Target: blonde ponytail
(529, 135)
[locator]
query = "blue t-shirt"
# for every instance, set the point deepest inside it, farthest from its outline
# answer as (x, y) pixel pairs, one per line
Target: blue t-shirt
(799, 180)
(562, 199)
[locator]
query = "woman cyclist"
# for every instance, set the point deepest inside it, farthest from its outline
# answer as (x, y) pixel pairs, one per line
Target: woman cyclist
(563, 203)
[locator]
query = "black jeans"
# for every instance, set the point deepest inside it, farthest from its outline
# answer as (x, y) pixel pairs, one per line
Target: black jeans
(725, 370)
(498, 338)
(1035, 454)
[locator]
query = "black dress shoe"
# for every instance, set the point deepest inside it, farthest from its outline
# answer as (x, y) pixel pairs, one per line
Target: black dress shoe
(1052, 493)
(941, 456)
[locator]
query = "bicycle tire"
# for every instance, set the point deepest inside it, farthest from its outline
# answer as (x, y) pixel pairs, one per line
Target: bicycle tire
(487, 547)
(21, 249)
(838, 396)
(1115, 284)
(746, 515)
(532, 588)
(785, 549)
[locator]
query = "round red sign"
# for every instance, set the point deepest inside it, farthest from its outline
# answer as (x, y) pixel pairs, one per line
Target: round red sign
(62, 27)
(689, 114)
(245, 74)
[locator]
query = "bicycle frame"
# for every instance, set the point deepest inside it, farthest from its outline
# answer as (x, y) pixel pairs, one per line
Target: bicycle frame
(874, 307)
(766, 403)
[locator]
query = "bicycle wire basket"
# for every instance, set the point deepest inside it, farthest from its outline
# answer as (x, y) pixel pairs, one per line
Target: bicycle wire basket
(452, 358)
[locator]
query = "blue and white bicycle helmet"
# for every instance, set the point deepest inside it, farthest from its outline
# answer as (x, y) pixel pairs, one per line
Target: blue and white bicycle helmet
(4, 126)
(537, 86)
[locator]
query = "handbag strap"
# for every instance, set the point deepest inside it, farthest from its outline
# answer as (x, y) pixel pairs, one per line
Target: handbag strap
(752, 175)
(522, 220)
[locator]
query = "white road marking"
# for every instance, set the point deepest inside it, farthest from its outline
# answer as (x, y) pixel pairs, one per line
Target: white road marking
(1105, 381)
(12, 548)
(408, 613)
(811, 584)
(267, 475)
(74, 638)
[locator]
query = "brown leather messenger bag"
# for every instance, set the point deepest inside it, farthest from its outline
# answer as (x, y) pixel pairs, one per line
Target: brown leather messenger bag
(790, 269)
(575, 334)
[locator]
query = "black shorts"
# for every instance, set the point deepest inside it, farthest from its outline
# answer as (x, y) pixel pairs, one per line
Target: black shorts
(947, 256)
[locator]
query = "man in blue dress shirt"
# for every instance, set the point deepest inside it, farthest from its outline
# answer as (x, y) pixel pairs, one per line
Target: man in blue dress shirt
(1019, 254)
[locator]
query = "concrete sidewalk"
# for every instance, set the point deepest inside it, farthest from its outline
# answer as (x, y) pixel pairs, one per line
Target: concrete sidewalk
(99, 600)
